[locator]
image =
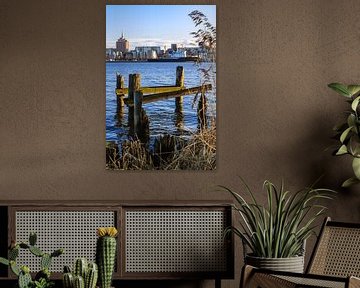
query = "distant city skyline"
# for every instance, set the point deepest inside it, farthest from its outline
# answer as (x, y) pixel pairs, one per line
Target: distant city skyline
(153, 25)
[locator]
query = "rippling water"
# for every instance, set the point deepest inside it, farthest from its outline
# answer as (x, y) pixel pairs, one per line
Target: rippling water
(161, 114)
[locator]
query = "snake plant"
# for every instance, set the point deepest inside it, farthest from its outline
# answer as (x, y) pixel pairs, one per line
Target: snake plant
(279, 228)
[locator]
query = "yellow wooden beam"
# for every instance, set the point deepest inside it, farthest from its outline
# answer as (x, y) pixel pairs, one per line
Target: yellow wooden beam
(150, 90)
(170, 94)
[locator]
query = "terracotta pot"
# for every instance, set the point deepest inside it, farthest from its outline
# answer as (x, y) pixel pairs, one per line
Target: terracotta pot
(291, 264)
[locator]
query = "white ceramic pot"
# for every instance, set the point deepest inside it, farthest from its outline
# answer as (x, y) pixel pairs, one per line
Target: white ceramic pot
(291, 264)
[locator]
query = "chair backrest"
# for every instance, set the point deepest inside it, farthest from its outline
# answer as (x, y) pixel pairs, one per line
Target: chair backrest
(337, 251)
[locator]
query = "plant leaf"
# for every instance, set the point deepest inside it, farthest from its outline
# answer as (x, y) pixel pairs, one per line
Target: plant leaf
(356, 167)
(351, 120)
(353, 89)
(345, 134)
(340, 88)
(354, 145)
(14, 268)
(349, 182)
(4, 261)
(355, 103)
(342, 150)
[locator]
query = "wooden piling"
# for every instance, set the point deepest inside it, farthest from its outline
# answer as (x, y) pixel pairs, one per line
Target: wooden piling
(179, 83)
(134, 85)
(120, 85)
(138, 96)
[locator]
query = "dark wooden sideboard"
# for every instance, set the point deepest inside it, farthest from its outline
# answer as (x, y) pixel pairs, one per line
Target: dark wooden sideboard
(157, 240)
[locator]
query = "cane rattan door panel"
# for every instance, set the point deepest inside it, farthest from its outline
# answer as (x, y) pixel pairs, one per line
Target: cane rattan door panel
(74, 231)
(167, 241)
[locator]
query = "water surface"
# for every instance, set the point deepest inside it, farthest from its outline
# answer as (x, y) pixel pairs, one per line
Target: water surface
(161, 114)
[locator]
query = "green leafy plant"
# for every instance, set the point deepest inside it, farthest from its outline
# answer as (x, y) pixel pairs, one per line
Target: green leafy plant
(42, 278)
(348, 132)
(279, 229)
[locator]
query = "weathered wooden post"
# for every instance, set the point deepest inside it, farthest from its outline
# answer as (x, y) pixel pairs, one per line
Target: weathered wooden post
(134, 85)
(179, 120)
(179, 83)
(120, 85)
(138, 97)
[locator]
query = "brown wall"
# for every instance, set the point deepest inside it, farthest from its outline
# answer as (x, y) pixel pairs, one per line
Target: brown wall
(275, 113)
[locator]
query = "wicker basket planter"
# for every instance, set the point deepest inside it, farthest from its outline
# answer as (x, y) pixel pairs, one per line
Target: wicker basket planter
(291, 264)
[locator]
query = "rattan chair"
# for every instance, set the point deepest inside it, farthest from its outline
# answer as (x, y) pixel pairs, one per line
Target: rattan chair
(334, 263)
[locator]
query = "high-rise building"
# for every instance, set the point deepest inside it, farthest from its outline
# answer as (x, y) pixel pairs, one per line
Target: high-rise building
(122, 45)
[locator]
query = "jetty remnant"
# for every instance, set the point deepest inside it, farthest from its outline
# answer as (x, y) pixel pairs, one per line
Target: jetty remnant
(138, 95)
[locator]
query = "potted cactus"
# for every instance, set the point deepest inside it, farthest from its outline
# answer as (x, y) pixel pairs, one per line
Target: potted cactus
(106, 254)
(42, 278)
(85, 275)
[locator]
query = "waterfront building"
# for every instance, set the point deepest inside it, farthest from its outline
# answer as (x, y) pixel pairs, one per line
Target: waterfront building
(122, 45)
(152, 55)
(112, 54)
(148, 52)
(128, 56)
(174, 47)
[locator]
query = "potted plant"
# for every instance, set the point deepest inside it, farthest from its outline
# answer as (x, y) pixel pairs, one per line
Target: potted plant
(276, 233)
(348, 132)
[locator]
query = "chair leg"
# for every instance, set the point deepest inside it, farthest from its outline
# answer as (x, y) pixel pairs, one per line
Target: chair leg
(246, 273)
(217, 283)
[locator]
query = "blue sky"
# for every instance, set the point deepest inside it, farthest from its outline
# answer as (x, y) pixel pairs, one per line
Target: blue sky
(153, 25)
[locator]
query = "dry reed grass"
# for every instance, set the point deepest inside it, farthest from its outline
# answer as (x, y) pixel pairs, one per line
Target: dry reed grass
(173, 153)
(135, 156)
(198, 154)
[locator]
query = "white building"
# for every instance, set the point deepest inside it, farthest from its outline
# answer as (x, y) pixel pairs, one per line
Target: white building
(148, 52)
